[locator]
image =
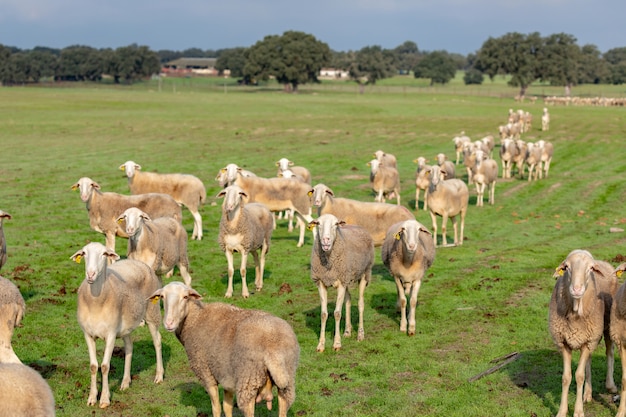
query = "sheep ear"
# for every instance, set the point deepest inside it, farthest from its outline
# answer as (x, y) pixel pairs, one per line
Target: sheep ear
(310, 193)
(330, 192)
(560, 270)
(6, 216)
(123, 167)
(277, 163)
(398, 234)
(77, 256)
(120, 219)
(95, 185)
(290, 163)
(137, 166)
(156, 296)
(312, 224)
(146, 217)
(425, 230)
(111, 255)
(221, 194)
(341, 223)
(75, 187)
(194, 294)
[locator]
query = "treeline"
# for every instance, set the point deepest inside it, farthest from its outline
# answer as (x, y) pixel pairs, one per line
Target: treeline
(295, 58)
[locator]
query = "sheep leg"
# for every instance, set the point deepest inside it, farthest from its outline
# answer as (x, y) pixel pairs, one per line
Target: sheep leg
(463, 212)
(341, 293)
(93, 368)
(417, 198)
(304, 220)
(214, 395)
(243, 272)
(231, 272)
(566, 379)
(128, 356)
(433, 217)
(184, 272)
(229, 403)
(197, 226)
(492, 193)
(258, 268)
(110, 240)
(621, 411)
(444, 228)
(362, 285)
(402, 302)
(426, 199)
(348, 320)
(105, 395)
(289, 216)
(610, 364)
(415, 288)
(156, 341)
(324, 315)
(583, 381)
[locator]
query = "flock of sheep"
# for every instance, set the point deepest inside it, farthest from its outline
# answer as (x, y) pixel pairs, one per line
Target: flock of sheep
(249, 352)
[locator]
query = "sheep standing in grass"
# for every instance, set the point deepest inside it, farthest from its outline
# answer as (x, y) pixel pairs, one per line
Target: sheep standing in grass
(386, 159)
(485, 175)
(579, 315)
(112, 302)
(24, 393)
(545, 120)
(508, 153)
(421, 181)
(186, 189)
(459, 144)
(12, 308)
(373, 217)
(228, 175)
(284, 164)
(247, 352)
(385, 181)
(533, 161)
(244, 228)
(446, 165)
(103, 208)
(408, 251)
(160, 243)
(447, 198)
(3, 242)
(547, 150)
(343, 255)
(618, 333)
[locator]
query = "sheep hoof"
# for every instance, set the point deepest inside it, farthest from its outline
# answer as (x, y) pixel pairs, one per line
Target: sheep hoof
(336, 347)
(361, 335)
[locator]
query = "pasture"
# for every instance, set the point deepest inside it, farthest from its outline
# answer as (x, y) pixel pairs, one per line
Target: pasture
(481, 301)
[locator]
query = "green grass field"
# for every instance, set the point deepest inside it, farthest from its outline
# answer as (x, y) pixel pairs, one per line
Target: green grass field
(480, 301)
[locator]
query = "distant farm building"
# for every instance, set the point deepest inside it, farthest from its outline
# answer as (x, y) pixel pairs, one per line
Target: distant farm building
(187, 67)
(333, 74)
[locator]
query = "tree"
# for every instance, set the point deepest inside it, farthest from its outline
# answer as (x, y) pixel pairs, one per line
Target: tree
(233, 59)
(43, 63)
(511, 54)
(439, 66)
(473, 76)
(615, 56)
(294, 58)
(592, 69)
(76, 63)
(371, 64)
(134, 63)
(406, 56)
(558, 61)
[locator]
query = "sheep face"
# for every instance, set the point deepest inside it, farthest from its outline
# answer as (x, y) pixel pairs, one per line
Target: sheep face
(86, 187)
(284, 163)
(175, 296)
(233, 198)
(578, 268)
(409, 234)
(319, 193)
(374, 164)
(134, 219)
(129, 168)
(96, 257)
(327, 226)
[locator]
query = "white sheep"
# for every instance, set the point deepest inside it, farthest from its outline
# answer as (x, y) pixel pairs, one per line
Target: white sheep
(618, 333)
(508, 153)
(579, 315)
(186, 189)
(421, 181)
(385, 181)
(3, 242)
(545, 120)
(24, 392)
(160, 243)
(244, 228)
(284, 164)
(342, 256)
(112, 302)
(289, 214)
(533, 161)
(279, 194)
(12, 308)
(386, 159)
(228, 175)
(408, 251)
(247, 352)
(448, 166)
(447, 198)
(520, 159)
(547, 150)
(104, 207)
(469, 160)
(373, 217)
(488, 145)
(485, 174)
(459, 143)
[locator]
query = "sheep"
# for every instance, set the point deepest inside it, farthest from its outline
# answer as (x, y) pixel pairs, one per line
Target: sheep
(112, 302)
(186, 189)
(421, 181)
(618, 333)
(520, 158)
(24, 393)
(447, 198)
(247, 352)
(284, 164)
(408, 251)
(533, 160)
(485, 174)
(244, 228)
(104, 207)
(459, 142)
(547, 150)
(279, 194)
(160, 243)
(545, 120)
(289, 214)
(12, 309)
(227, 175)
(3, 242)
(342, 256)
(386, 159)
(448, 166)
(488, 144)
(385, 181)
(579, 315)
(508, 152)
(373, 217)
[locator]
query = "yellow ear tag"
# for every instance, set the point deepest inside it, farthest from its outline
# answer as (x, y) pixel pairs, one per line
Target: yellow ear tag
(310, 227)
(155, 300)
(397, 236)
(120, 221)
(619, 273)
(309, 194)
(77, 259)
(559, 271)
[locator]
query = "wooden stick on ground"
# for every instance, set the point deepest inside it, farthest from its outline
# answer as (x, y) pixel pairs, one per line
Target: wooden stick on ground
(504, 360)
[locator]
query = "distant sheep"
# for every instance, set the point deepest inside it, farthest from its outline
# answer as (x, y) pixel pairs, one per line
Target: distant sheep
(533, 161)
(579, 315)
(385, 181)
(186, 189)
(373, 217)
(3, 242)
(104, 208)
(386, 159)
(12, 309)
(508, 153)
(247, 352)
(448, 166)
(408, 251)
(547, 150)
(447, 198)
(112, 302)
(244, 228)
(228, 175)
(284, 164)
(160, 243)
(459, 143)
(342, 256)
(485, 175)
(545, 120)
(421, 181)
(24, 393)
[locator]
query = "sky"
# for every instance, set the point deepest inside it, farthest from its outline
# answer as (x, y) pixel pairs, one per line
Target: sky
(458, 26)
